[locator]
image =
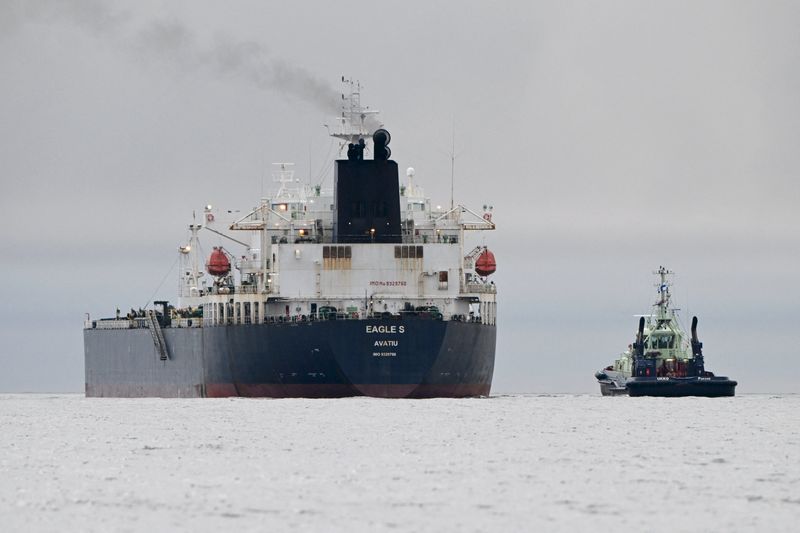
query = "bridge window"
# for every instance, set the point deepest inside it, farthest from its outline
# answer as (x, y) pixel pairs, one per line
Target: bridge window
(663, 342)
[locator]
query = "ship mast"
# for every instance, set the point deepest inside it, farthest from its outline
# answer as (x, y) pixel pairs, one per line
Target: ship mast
(191, 275)
(355, 121)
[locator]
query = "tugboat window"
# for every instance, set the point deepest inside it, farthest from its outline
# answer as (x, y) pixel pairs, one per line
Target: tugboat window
(663, 342)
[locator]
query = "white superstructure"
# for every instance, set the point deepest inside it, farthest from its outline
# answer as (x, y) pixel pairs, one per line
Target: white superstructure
(286, 267)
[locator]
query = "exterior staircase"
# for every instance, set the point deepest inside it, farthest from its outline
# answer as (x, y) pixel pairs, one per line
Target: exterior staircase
(158, 335)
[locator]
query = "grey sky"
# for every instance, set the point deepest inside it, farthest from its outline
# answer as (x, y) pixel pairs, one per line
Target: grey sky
(611, 137)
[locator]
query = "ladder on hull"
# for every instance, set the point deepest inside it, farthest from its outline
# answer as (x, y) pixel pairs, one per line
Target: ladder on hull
(158, 335)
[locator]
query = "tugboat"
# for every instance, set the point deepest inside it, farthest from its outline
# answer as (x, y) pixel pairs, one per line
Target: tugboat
(662, 361)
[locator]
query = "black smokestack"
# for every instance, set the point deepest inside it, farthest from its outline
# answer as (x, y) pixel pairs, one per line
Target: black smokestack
(367, 195)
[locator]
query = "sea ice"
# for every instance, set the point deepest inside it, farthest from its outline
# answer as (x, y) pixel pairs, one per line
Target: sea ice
(506, 463)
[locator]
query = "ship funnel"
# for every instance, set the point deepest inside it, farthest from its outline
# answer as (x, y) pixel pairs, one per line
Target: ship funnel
(642, 367)
(697, 346)
(367, 195)
(380, 140)
(639, 346)
(697, 351)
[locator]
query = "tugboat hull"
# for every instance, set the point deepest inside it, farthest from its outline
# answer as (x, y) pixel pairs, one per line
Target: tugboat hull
(615, 384)
(709, 387)
(611, 383)
(612, 389)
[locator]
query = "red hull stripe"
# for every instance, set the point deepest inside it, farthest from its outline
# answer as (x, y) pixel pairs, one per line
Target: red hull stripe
(267, 390)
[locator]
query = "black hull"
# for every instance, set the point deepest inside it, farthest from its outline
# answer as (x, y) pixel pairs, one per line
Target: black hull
(409, 358)
(715, 387)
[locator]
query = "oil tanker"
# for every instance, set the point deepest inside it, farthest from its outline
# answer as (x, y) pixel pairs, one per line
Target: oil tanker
(365, 289)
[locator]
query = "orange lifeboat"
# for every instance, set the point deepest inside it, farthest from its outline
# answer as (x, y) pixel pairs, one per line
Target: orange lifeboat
(218, 264)
(485, 265)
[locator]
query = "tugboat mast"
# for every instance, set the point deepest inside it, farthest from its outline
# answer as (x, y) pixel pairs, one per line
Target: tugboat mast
(664, 293)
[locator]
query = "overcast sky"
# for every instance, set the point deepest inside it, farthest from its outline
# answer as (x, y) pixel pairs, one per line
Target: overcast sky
(610, 137)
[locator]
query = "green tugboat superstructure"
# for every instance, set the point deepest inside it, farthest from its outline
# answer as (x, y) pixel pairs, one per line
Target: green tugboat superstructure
(663, 360)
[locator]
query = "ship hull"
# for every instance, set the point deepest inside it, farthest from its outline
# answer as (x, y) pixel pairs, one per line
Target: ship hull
(408, 358)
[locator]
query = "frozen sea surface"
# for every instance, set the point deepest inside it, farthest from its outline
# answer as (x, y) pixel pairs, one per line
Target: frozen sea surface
(506, 463)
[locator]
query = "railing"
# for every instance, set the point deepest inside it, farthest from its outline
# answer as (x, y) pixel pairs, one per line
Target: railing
(123, 323)
(140, 323)
(299, 319)
(239, 289)
(486, 288)
(195, 322)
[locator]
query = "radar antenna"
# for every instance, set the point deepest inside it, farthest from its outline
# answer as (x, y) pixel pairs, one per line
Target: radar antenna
(355, 120)
(664, 294)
